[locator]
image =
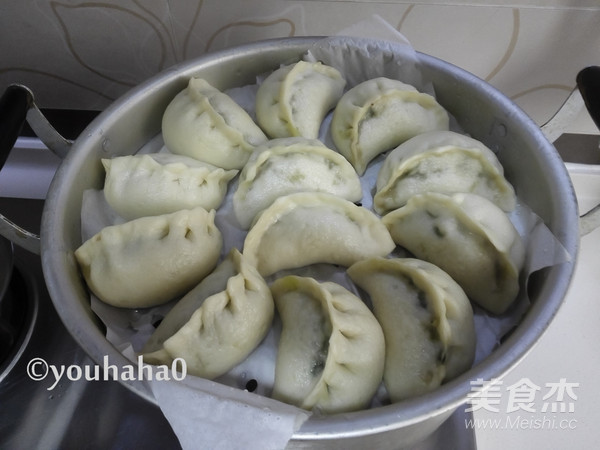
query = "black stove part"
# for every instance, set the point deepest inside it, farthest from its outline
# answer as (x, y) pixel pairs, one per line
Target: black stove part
(16, 313)
(6, 264)
(579, 148)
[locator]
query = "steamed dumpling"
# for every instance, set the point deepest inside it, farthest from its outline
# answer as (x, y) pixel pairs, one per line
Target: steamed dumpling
(294, 100)
(331, 352)
(288, 165)
(218, 323)
(467, 236)
(444, 162)
(308, 228)
(150, 260)
(378, 115)
(162, 183)
(427, 321)
(206, 124)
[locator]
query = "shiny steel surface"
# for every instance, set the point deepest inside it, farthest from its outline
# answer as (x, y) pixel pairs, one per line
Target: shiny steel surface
(531, 163)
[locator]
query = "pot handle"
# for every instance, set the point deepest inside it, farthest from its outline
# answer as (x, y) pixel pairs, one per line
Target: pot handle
(14, 106)
(589, 221)
(586, 94)
(588, 83)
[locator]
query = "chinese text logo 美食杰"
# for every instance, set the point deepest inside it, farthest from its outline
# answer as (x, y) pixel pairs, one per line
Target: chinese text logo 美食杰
(550, 406)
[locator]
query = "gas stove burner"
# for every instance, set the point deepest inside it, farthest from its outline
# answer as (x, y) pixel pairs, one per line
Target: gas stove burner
(17, 314)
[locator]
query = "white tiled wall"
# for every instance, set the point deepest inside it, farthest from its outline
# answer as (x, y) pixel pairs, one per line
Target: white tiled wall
(80, 54)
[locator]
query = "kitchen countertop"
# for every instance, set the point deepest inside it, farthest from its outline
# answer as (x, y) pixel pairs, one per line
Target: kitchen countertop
(564, 361)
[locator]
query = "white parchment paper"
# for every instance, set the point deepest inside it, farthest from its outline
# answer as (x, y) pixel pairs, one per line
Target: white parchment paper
(221, 414)
(213, 416)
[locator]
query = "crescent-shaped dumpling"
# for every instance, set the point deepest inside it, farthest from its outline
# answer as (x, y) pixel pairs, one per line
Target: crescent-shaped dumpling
(378, 115)
(288, 165)
(308, 228)
(150, 260)
(294, 100)
(427, 321)
(444, 162)
(331, 352)
(205, 123)
(162, 183)
(467, 236)
(218, 323)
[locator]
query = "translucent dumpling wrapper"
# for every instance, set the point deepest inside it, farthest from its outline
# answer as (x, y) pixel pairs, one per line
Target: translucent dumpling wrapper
(218, 323)
(467, 236)
(162, 183)
(427, 321)
(151, 260)
(294, 99)
(378, 115)
(444, 162)
(331, 352)
(309, 228)
(206, 124)
(289, 165)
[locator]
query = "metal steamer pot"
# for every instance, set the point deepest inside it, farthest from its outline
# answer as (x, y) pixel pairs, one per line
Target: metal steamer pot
(531, 163)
